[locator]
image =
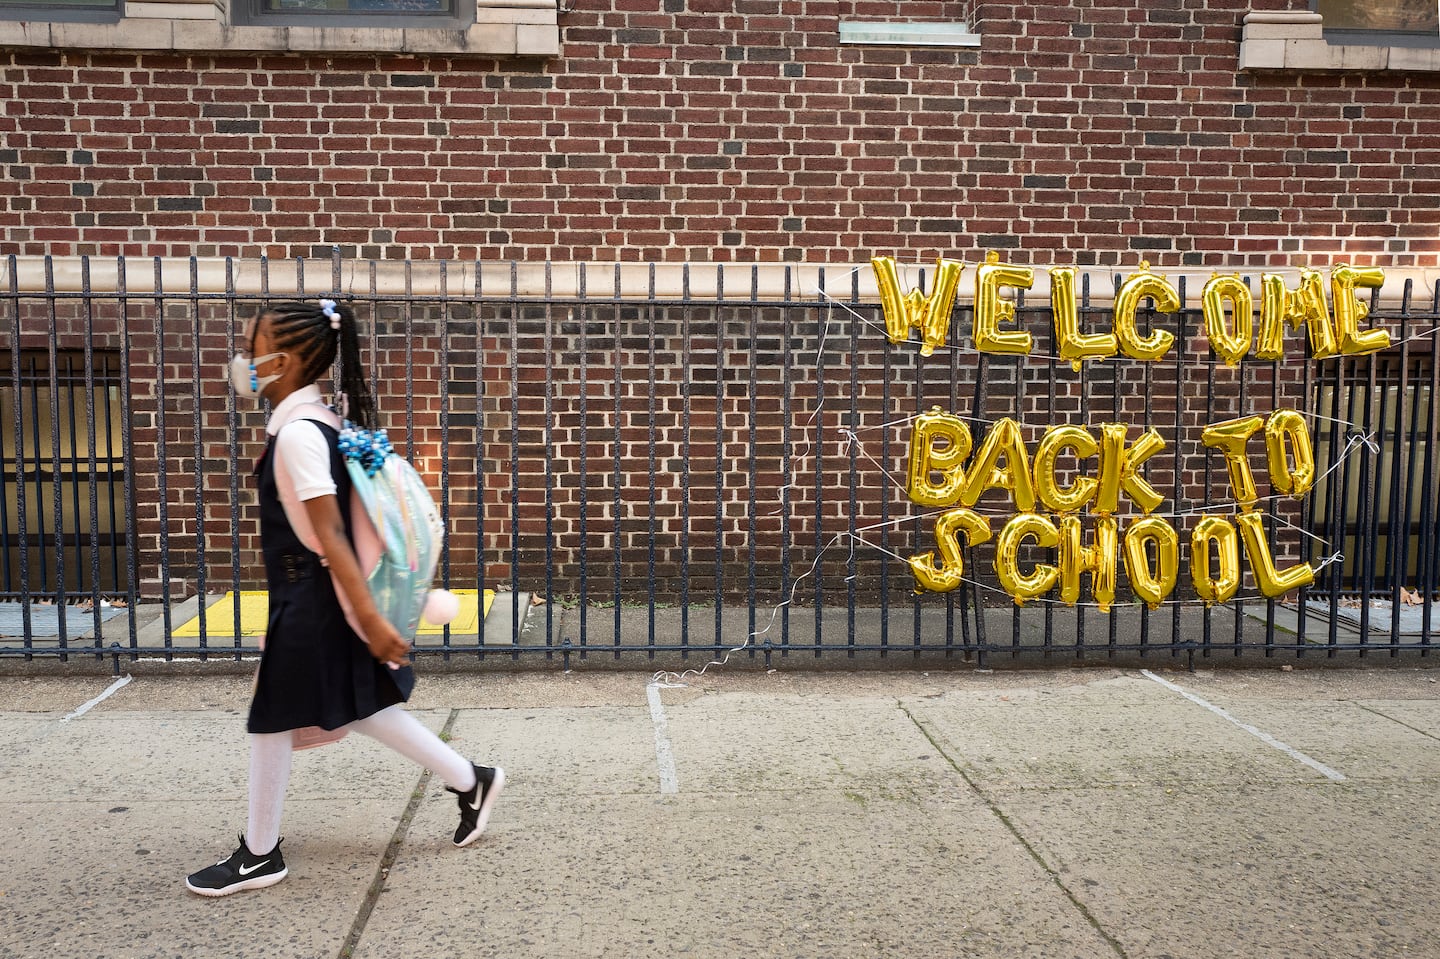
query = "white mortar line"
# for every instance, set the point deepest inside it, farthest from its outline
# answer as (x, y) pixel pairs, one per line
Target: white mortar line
(82, 710)
(1259, 734)
(663, 757)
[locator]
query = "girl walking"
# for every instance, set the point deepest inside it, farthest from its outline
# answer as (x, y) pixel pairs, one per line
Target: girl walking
(316, 671)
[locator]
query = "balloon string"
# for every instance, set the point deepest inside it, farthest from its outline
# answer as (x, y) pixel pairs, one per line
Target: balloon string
(1301, 530)
(1420, 336)
(1330, 419)
(852, 442)
(943, 347)
(809, 428)
(671, 680)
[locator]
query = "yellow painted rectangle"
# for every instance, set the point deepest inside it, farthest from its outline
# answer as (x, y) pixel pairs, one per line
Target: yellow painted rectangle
(255, 615)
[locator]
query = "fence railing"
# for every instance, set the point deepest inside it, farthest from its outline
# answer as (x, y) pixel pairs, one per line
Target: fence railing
(675, 462)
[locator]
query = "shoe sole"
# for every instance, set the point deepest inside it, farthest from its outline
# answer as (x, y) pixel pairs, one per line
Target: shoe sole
(259, 882)
(491, 795)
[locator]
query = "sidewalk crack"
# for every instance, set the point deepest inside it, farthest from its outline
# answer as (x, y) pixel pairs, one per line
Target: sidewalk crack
(1398, 722)
(1014, 830)
(392, 852)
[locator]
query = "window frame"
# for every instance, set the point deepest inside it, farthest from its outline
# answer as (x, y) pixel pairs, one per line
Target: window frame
(1350, 36)
(251, 13)
(64, 13)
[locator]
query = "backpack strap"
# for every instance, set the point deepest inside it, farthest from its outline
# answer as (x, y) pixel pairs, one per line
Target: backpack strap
(295, 510)
(366, 538)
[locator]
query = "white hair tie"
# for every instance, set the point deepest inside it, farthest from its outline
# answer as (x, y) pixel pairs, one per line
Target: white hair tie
(328, 308)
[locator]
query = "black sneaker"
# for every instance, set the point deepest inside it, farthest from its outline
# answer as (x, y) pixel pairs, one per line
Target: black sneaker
(475, 805)
(243, 870)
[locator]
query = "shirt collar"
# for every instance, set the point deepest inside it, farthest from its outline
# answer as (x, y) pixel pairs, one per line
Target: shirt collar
(286, 408)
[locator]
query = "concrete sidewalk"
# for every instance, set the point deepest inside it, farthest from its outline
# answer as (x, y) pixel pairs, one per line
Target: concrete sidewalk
(1074, 813)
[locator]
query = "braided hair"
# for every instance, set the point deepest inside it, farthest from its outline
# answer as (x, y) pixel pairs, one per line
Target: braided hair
(313, 334)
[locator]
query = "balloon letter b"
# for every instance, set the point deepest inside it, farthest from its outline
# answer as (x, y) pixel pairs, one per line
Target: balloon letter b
(926, 458)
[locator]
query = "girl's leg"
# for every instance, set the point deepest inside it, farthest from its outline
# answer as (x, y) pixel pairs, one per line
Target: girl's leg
(405, 734)
(269, 775)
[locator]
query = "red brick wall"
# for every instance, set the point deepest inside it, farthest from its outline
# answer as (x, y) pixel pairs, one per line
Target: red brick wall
(720, 130)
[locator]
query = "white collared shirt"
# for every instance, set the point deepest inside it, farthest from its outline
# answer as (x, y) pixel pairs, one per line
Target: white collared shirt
(303, 449)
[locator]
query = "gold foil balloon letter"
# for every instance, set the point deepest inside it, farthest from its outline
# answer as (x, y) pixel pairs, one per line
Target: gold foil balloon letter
(929, 314)
(1099, 560)
(1003, 440)
(1231, 437)
(1349, 311)
(1152, 584)
(1141, 285)
(1283, 426)
(1272, 582)
(1042, 578)
(1054, 497)
(1070, 342)
(991, 310)
(1230, 345)
(950, 572)
(1219, 587)
(1120, 469)
(1278, 305)
(938, 444)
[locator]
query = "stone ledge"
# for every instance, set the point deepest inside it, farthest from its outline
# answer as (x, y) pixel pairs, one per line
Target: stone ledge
(770, 281)
(503, 28)
(1279, 40)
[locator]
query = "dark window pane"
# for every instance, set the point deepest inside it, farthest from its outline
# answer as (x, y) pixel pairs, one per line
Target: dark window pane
(358, 6)
(62, 4)
(1393, 16)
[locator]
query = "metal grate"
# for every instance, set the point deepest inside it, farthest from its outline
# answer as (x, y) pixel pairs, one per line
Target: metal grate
(668, 476)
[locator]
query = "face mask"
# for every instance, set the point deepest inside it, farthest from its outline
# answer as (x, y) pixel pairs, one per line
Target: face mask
(244, 378)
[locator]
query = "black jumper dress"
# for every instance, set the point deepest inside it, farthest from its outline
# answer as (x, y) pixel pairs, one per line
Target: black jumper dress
(315, 670)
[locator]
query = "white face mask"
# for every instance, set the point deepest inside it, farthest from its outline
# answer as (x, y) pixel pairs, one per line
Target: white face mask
(244, 378)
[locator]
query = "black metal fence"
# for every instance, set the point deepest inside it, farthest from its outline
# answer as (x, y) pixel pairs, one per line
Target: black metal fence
(661, 473)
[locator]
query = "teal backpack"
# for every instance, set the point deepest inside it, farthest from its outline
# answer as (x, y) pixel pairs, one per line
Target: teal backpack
(394, 522)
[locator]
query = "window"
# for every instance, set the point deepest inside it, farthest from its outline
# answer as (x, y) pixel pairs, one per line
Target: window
(356, 13)
(1381, 536)
(908, 23)
(482, 28)
(1387, 22)
(82, 11)
(44, 446)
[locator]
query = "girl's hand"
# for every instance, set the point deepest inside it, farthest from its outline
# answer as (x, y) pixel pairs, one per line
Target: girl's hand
(386, 643)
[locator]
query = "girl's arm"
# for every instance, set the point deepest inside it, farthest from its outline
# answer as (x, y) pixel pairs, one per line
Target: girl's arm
(386, 643)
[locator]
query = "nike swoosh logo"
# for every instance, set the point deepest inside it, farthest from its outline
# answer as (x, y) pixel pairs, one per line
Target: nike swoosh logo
(479, 801)
(246, 872)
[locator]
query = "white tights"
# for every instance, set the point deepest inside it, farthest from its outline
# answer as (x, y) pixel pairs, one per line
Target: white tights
(394, 727)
